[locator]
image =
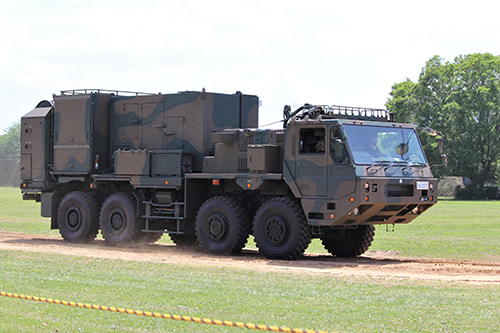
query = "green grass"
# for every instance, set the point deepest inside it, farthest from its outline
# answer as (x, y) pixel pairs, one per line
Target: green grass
(329, 302)
(467, 230)
(452, 229)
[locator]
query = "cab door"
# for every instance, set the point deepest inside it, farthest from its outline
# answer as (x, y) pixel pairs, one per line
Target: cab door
(341, 175)
(311, 160)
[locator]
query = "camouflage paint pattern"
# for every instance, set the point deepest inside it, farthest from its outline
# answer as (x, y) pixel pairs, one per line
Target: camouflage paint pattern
(172, 142)
(85, 130)
(182, 121)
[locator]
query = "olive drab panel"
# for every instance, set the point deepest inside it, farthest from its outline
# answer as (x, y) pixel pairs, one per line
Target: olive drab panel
(36, 143)
(152, 130)
(130, 120)
(81, 133)
(174, 132)
(72, 134)
(311, 160)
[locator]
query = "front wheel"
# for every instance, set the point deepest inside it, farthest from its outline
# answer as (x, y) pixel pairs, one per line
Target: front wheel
(222, 225)
(347, 242)
(118, 219)
(280, 229)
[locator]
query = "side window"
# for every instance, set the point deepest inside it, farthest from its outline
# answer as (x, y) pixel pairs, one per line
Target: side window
(337, 142)
(312, 141)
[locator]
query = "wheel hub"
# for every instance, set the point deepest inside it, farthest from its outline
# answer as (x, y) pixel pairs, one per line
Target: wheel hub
(216, 227)
(116, 221)
(275, 230)
(74, 218)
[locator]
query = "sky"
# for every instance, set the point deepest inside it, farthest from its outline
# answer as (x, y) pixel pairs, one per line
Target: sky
(286, 52)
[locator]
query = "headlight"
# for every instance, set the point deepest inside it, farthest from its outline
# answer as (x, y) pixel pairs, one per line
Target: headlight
(415, 210)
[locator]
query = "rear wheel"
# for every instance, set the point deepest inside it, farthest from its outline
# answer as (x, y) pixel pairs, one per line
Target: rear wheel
(222, 225)
(346, 242)
(118, 219)
(78, 217)
(280, 229)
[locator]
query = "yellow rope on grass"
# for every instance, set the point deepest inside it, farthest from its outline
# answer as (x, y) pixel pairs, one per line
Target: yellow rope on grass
(163, 315)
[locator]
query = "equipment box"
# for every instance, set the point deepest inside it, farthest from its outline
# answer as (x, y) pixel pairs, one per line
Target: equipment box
(170, 163)
(264, 158)
(132, 162)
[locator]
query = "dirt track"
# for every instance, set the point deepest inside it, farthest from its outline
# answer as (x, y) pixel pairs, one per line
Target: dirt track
(373, 264)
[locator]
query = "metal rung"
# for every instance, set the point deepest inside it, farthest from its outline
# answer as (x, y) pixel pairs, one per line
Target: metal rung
(162, 217)
(163, 205)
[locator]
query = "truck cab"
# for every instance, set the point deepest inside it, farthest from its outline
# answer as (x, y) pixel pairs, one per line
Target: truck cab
(357, 169)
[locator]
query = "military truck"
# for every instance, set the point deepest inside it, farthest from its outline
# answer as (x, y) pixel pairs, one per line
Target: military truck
(196, 166)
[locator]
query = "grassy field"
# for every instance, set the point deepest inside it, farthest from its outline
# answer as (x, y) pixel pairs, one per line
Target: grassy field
(457, 230)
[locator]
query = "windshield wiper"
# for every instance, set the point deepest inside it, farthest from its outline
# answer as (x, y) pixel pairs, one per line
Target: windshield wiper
(384, 163)
(398, 163)
(416, 164)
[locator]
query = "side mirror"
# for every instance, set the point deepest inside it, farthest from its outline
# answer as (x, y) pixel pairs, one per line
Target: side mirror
(339, 149)
(402, 149)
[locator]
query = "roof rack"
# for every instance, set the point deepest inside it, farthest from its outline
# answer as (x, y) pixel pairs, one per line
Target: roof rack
(354, 112)
(335, 112)
(114, 92)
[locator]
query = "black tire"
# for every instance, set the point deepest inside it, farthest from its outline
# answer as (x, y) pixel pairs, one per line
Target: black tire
(118, 219)
(184, 240)
(78, 217)
(349, 242)
(222, 226)
(280, 229)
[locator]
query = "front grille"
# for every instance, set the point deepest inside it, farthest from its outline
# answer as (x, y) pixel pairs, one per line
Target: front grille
(379, 218)
(392, 208)
(349, 221)
(400, 190)
(399, 220)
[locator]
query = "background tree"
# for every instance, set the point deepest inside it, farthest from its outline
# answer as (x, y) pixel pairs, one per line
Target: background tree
(10, 141)
(462, 100)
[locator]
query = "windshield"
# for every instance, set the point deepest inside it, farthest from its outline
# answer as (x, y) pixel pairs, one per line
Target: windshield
(378, 144)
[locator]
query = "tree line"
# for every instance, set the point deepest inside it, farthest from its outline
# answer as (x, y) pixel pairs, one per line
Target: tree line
(10, 145)
(461, 99)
